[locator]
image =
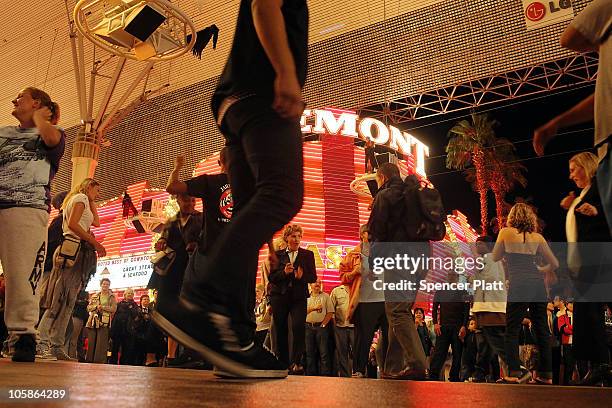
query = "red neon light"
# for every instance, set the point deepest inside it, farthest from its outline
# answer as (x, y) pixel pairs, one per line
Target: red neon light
(331, 214)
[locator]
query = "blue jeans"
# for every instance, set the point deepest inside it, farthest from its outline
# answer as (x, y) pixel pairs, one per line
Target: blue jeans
(317, 350)
(344, 337)
(604, 184)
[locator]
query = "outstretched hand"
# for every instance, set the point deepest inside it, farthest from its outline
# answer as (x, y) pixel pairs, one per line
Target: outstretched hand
(543, 135)
(568, 200)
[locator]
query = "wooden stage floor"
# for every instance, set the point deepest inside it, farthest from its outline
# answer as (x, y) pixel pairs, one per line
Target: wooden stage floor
(102, 386)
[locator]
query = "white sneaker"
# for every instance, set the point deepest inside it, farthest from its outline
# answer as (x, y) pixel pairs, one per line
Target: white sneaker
(60, 354)
(45, 354)
(6, 353)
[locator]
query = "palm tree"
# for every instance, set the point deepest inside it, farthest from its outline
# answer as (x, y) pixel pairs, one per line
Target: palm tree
(467, 147)
(505, 172)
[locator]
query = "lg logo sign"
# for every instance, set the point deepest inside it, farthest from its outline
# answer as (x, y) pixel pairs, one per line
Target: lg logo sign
(536, 11)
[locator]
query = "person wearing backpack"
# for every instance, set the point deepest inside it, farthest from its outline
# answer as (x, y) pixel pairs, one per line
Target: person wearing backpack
(405, 358)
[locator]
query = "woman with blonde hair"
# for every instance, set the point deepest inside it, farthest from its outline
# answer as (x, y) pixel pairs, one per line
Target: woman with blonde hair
(520, 243)
(30, 154)
(124, 330)
(74, 262)
(586, 222)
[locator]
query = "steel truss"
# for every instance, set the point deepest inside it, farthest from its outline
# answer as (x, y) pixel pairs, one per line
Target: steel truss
(546, 77)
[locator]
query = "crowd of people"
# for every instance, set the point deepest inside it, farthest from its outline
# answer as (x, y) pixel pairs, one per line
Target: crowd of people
(208, 310)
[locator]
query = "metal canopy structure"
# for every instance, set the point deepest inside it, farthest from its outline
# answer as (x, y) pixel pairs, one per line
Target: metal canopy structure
(520, 83)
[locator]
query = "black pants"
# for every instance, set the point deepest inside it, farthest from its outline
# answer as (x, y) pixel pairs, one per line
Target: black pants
(569, 363)
(449, 336)
(492, 347)
(318, 361)
(515, 313)
(368, 318)
(282, 308)
(556, 363)
(469, 357)
(265, 165)
(123, 350)
(261, 336)
(589, 341)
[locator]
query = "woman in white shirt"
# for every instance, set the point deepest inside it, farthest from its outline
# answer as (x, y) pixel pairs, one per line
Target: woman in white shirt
(74, 262)
(587, 231)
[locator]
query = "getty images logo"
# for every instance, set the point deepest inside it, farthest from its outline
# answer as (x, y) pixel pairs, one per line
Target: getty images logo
(536, 10)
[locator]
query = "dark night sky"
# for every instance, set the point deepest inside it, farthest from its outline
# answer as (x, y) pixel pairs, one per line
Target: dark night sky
(547, 176)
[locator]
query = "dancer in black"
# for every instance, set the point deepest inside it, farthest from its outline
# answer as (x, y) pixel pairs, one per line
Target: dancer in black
(257, 104)
(519, 244)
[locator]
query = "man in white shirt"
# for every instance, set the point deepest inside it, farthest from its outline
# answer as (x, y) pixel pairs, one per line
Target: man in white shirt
(320, 311)
(343, 329)
(590, 31)
(489, 308)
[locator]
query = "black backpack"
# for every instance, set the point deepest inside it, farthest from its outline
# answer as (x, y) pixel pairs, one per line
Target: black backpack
(424, 214)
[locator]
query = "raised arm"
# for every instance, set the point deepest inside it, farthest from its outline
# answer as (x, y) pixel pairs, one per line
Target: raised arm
(174, 185)
(49, 133)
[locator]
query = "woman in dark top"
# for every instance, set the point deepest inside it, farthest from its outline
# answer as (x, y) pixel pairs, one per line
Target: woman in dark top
(123, 331)
(519, 244)
(591, 273)
(419, 321)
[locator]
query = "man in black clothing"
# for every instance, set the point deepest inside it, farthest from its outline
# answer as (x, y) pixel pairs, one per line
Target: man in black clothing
(288, 295)
(450, 315)
(216, 195)
(257, 105)
(405, 357)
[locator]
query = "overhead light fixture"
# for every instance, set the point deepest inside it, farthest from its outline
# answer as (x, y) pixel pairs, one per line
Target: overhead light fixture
(129, 22)
(152, 30)
(159, 43)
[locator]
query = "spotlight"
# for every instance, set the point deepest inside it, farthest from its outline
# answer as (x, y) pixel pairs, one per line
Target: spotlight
(129, 22)
(152, 30)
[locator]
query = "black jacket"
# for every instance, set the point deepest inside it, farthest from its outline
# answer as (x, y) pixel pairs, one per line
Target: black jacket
(283, 284)
(592, 229)
(54, 239)
(385, 223)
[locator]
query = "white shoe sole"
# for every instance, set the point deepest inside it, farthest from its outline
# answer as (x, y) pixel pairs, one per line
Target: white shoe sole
(41, 358)
(227, 366)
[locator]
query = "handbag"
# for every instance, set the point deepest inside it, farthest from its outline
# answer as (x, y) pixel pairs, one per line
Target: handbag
(69, 250)
(163, 260)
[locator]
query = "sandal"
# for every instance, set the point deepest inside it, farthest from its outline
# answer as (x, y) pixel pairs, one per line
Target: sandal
(541, 381)
(522, 379)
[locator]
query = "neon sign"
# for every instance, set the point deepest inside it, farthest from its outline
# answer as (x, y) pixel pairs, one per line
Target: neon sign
(347, 123)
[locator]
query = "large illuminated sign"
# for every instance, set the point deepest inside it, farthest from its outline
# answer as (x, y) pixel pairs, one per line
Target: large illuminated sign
(347, 123)
(331, 213)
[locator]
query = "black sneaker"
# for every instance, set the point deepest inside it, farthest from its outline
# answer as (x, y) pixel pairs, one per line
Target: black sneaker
(266, 363)
(25, 349)
(209, 333)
